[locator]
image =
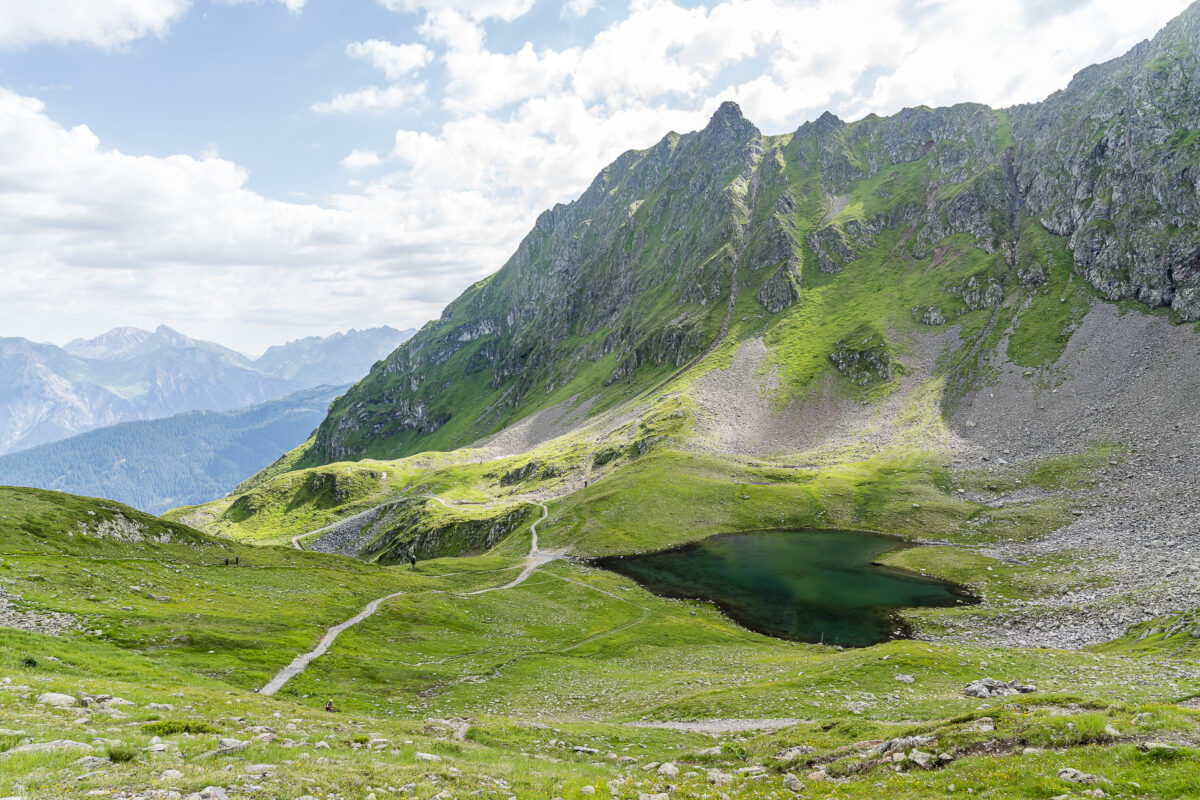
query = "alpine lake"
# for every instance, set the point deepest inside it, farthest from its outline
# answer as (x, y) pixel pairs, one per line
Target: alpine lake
(807, 585)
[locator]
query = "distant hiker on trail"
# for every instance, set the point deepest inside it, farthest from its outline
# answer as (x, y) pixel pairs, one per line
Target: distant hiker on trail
(227, 562)
(237, 560)
(412, 558)
(329, 706)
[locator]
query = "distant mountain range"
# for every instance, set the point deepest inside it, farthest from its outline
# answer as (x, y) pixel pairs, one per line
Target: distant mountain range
(48, 393)
(181, 460)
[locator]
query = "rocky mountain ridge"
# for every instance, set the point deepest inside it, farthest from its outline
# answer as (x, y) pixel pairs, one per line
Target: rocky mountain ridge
(609, 294)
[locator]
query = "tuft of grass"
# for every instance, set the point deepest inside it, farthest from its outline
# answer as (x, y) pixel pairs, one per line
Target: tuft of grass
(1067, 731)
(122, 753)
(170, 727)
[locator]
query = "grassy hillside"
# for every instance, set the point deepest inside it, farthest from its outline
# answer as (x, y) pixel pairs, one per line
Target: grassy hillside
(504, 686)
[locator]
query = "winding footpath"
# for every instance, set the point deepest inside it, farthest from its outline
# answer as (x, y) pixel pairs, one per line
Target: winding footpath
(535, 559)
(303, 660)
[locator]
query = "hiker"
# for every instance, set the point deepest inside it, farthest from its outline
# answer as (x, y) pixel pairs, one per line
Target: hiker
(227, 562)
(237, 561)
(329, 706)
(412, 558)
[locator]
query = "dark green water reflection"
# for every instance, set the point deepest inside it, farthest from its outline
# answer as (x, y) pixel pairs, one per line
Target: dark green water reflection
(811, 585)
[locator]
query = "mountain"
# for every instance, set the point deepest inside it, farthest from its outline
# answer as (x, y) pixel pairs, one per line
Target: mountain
(158, 464)
(335, 359)
(672, 245)
(48, 393)
(967, 327)
(121, 344)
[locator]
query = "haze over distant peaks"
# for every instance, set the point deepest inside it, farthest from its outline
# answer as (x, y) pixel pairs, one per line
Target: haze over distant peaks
(48, 393)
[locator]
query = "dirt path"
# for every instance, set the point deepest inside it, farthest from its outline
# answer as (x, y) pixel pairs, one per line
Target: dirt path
(304, 659)
(536, 557)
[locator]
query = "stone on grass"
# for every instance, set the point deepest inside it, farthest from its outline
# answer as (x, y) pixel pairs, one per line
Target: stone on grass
(793, 783)
(45, 747)
(1075, 776)
(989, 687)
(427, 757)
(719, 777)
(790, 753)
(668, 770)
(56, 699)
(228, 745)
(905, 678)
(260, 769)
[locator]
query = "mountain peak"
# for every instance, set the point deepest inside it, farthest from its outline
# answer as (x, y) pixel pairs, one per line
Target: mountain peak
(728, 118)
(729, 112)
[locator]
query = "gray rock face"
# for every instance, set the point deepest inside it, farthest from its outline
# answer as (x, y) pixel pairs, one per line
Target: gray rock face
(1112, 162)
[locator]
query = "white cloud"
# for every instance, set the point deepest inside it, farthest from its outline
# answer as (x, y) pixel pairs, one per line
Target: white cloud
(506, 10)
(396, 60)
(577, 8)
(371, 98)
(360, 159)
(107, 24)
(92, 237)
(294, 6)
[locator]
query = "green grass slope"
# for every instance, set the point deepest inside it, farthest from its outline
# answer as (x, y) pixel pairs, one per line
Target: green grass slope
(536, 691)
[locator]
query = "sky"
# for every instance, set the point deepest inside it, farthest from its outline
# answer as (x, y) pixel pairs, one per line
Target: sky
(253, 171)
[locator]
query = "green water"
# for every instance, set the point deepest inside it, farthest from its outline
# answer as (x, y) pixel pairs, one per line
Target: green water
(810, 585)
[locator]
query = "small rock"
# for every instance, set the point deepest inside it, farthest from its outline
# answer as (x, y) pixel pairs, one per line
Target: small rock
(587, 790)
(260, 769)
(920, 758)
(905, 678)
(668, 770)
(427, 757)
(793, 783)
(719, 777)
(788, 754)
(1075, 776)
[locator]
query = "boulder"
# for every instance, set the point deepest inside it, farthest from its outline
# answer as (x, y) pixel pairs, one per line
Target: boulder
(1075, 776)
(45, 747)
(989, 687)
(56, 699)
